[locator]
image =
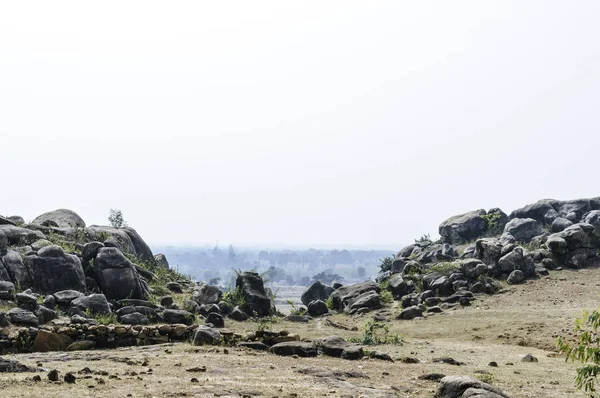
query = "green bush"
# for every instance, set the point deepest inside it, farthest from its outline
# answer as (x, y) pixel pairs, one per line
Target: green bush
(376, 333)
(386, 297)
(585, 352)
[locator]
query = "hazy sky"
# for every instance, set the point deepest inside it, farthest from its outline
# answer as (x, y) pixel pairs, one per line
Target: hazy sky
(337, 122)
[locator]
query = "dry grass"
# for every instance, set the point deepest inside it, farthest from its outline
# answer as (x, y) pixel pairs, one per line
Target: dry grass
(501, 328)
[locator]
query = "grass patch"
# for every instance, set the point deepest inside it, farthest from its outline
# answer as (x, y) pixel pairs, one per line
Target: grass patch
(375, 334)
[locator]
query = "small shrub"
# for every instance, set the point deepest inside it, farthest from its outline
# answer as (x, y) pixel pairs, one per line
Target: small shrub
(386, 297)
(385, 264)
(486, 377)
(115, 218)
(329, 303)
(295, 310)
(376, 333)
(425, 239)
(234, 297)
(445, 268)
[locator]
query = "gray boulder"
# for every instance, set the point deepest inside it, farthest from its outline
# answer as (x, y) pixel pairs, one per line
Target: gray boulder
(515, 277)
(300, 348)
(26, 301)
(473, 268)
(162, 260)
(541, 211)
(205, 335)
(353, 353)
(316, 291)
(560, 224)
(253, 290)
(463, 227)
(333, 346)
(44, 315)
(367, 301)
(216, 320)
(134, 318)
(488, 250)
(52, 270)
(178, 316)
(16, 220)
(523, 229)
(18, 236)
(94, 304)
(118, 277)
(125, 239)
(317, 308)
(6, 221)
(344, 295)
(411, 313)
(3, 242)
(207, 294)
(400, 287)
(65, 297)
(90, 251)
(142, 250)
(21, 317)
(593, 218)
(466, 387)
(61, 218)
(238, 315)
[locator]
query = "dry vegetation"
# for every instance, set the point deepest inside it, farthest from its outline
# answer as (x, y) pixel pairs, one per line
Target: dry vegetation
(501, 328)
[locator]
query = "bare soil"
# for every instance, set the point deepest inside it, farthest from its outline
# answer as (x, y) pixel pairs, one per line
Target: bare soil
(502, 328)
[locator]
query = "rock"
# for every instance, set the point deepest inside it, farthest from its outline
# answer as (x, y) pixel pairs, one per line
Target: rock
(79, 320)
(4, 322)
(225, 308)
(316, 291)
(8, 366)
(529, 358)
(541, 211)
(125, 239)
(38, 244)
(6, 221)
(207, 294)
(463, 227)
(162, 260)
(90, 251)
(83, 345)
(431, 376)
(17, 271)
(26, 301)
(366, 301)
(65, 297)
(254, 345)
(61, 218)
(191, 306)
(399, 287)
(70, 378)
(353, 352)
(16, 220)
(381, 356)
(94, 304)
(47, 341)
(19, 316)
(523, 229)
(344, 295)
(53, 270)
(135, 318)
(53, 375)
(174, 287)
(216, 320)
(254, 294)
(333, 346)
(205, 335)
(178, 316)
(317, 308)
(166, 301)
(300, 348)
(473, 268)
(593, 218)
(466, 387)
(118, 277)
(410, 313)
(298, 318)
(515, 277)
(3, 242)
(45, 315)
(18, 236)
(560, 224)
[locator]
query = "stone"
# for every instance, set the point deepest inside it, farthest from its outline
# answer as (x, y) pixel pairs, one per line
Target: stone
(53, 375)
(70, 378)
(368, 300)
(529, 358)
(463, 227)
(174, 287)
(238, 315)
(466, 387)
(135, 318)
(65, 297)
(225, 308)
(19, 316)
(560, 224)
(353, 352)
(162, 260)
(254, 345)
(316, 291)
(44, 315)
(216, 320)
(61, 218)
(205, 335)
(333, 346)
(9, 366)
(52, 270)
(300, 348)
(515, 277)
(381, 356)
(410, 313)
(26, 301)
(93, 304)
(90, 251)
(317, 308)
(207, 294)
(18, 236)
(48, 341)
(178, 316)
(38, 244)
(400, 287)
(523, 229)
(118, 277)
(251, 286)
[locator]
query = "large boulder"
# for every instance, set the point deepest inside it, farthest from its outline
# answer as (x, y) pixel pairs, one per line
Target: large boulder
(253, 291)
(317, 308)
(207, 294)
(488, 250)
(19, 273)
(142, 250)
(3, 242)
(542, 211)
(18, 236)
(162, 260)
(21, 317)
(61, 218)
(316, 291)
(52, 270)
(463, 227)
(523, 229)
(47, 341)
(333, 346)
(345, 294)
(93, 304)
(400, 287)
(300, 348)
(178, 317)
(205, 335)
(6, 221)
(118, 277)
(573, 210)
(576, 246)
(466, 387)
(593, 218)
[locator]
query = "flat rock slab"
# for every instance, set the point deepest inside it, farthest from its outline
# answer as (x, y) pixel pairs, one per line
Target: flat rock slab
(7, 366)
(300, 348)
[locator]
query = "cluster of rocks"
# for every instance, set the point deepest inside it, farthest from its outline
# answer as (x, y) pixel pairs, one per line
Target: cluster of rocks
(352, 299)
(547, 235)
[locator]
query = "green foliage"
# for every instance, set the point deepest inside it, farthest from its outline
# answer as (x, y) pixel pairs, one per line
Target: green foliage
(385, 264)
(386, 297)
(375, 333)
(234, 297)
(491, 222)
(115, 218)
(102, 319)
(425, 239)
(445, 268)
(585, 352)
(56, 239)
(266, 323)
(329, 303)
(295, 310)
(486, 377)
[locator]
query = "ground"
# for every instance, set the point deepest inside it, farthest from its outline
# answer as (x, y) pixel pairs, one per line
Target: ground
(502, 328)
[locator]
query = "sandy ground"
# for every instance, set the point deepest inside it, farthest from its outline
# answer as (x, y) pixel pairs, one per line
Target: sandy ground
(501, 328)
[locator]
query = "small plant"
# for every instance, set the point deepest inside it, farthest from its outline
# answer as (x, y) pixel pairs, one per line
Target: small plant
(235, 297)
(586, 351)
(486, 377)
(425, 239)
(445, 268)
(386, 296)
(329, 303)
(385, 264)
(101, 319)
(295, 310)
(115, 218)
(376, 333)
(491, 223)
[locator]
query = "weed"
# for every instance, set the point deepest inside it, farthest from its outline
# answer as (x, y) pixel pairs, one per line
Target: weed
(376, 333)
(386, 297)
(295, 310)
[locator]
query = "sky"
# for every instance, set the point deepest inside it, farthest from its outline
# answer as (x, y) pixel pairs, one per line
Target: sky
(300, 123)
